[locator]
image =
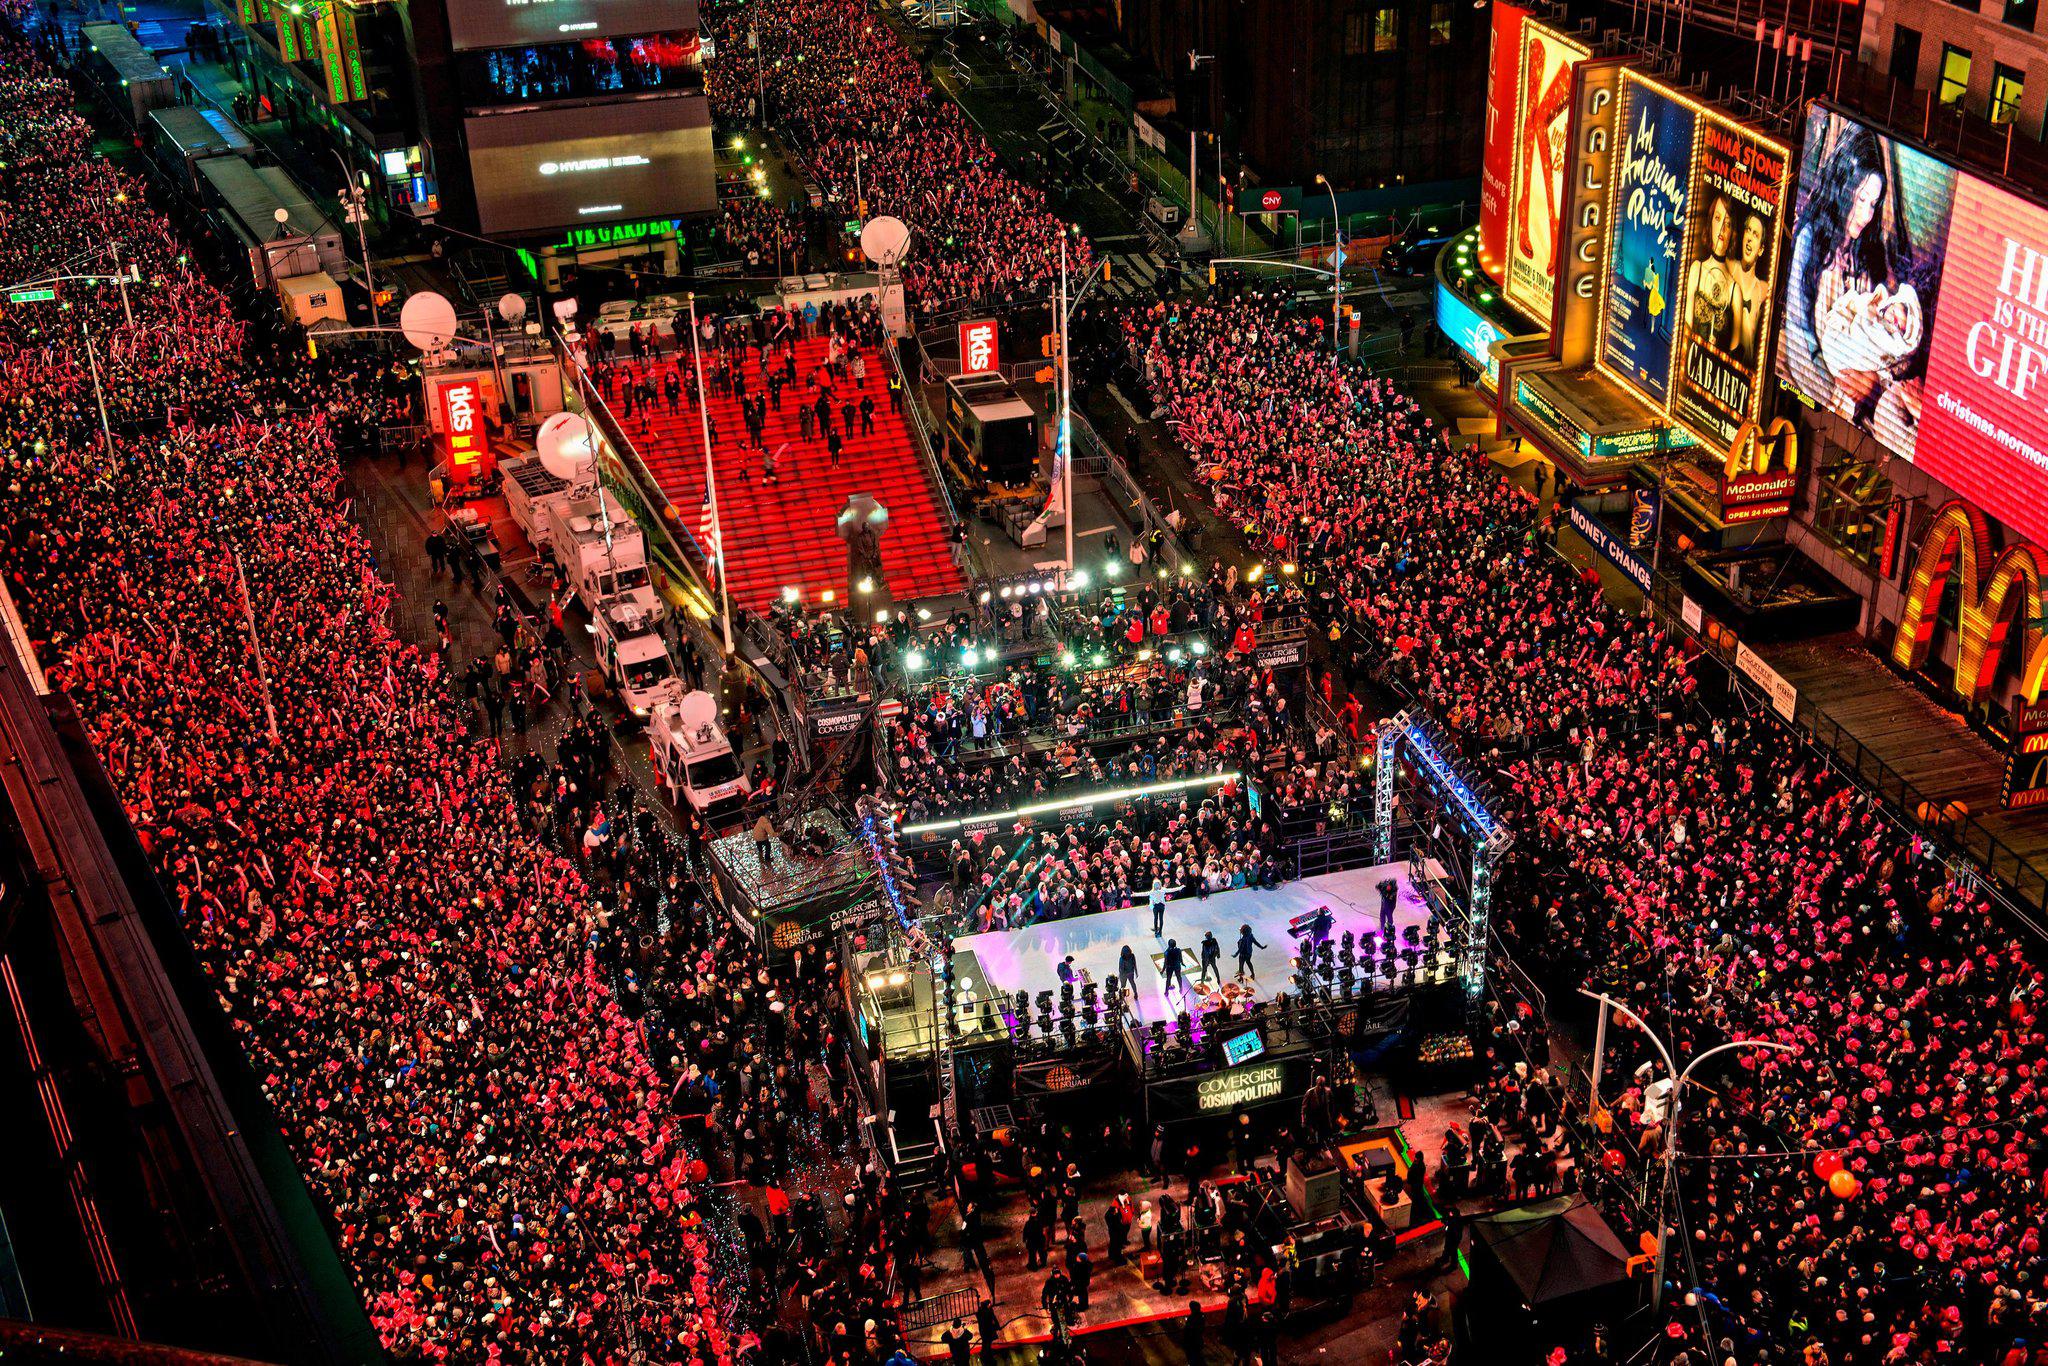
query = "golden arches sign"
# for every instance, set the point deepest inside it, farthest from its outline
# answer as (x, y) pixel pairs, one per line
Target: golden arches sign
(1754, 452)
(1959, 540)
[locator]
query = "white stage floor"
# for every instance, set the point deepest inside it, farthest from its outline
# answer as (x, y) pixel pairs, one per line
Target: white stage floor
(1028, 959)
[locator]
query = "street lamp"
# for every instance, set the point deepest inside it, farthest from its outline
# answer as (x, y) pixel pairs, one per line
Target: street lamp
(355, 210)
(1336, 270)
(1680, 1078)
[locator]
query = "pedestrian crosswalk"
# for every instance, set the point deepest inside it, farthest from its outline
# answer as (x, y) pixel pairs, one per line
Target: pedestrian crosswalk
(1137, 275)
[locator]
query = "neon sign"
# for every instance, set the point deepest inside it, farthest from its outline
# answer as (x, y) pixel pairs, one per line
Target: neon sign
(1959, 536)
(462, 419)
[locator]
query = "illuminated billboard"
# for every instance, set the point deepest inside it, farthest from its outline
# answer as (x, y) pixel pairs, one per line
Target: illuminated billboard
(1543, 110)
(1868, 232)
(520, 23)
(1503, 65)
(1732, 209)
(1469, 332)
(567, 167)
(1985, 411)
(1648, 218)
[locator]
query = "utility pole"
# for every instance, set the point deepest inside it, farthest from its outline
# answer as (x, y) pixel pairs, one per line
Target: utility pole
(356, 210)
(1678, 1081)
(99, 394)
(1336, 271)
(1066, 417)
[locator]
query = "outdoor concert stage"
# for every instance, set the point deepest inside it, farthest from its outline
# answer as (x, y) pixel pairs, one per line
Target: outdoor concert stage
(1028, 959)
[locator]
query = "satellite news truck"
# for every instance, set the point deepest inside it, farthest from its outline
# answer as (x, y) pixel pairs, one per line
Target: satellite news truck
(694, 762)
(632, 654)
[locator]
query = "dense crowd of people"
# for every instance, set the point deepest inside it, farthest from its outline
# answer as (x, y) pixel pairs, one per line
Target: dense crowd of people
(1873, 1197)
(410, 971)
(852, 102)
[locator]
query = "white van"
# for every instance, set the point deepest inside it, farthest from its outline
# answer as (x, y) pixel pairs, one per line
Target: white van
(693, 761)
(632, 655)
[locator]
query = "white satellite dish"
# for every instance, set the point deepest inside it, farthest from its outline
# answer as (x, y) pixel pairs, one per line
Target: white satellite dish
(428, 321)
(567, 445)
(697, 709)
(885, 239)
(512, 307)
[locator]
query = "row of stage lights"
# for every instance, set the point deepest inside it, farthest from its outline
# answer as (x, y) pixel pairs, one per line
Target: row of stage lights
(1329, 973)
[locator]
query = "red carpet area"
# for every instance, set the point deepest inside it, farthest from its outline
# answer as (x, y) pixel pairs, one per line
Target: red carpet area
(783, 535)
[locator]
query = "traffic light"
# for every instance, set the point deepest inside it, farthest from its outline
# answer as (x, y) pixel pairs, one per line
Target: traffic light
(1049, 345)
(1212, 277)
(312, 349)
(1043, 374)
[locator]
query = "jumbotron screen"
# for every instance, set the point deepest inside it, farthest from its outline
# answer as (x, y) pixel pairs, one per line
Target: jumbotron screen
(544, 169)
(518, 23)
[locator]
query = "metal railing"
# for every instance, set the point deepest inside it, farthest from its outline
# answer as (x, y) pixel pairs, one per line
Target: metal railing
(921, 430)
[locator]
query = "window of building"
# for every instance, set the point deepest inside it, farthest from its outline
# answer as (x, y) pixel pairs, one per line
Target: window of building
(1955, 73)
(1440, 23)
(1386, 30)
(2020, 13)
(1905, 65)
(1357, 34)
(1851, 498)
(1971, 5)
(2007, 87)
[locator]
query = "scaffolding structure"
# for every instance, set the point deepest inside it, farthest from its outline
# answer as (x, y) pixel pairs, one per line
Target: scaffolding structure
(1453, 794)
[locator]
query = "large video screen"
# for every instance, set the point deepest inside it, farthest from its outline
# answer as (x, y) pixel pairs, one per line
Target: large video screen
(1869, 229)
(1469, 332)
(1985, 409)
(546, 169)
(1543, 113)
(1654, 172)
(1503, 65)
(1737, 192)
(518, 23)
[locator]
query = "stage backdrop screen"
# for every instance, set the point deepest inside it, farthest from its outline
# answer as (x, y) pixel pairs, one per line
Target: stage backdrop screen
(1986, 405)
(545, 169)
(517, 23)
(1654, 172)
(1869, 229)
(1502, 66)
(1732, 209)
(1543, 113)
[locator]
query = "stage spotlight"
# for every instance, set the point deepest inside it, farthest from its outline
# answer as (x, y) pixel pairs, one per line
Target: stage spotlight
(1023, 1002)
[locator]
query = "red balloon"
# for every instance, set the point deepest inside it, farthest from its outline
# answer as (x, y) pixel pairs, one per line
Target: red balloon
(697, 1171)
(1613, 1160)
(1827, 1164)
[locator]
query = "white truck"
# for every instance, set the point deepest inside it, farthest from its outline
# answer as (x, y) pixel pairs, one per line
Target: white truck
(601, 549)
(693, 761)
(633, 656)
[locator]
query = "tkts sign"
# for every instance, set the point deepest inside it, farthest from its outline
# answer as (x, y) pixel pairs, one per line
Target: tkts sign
(978, 348)
(462, 419)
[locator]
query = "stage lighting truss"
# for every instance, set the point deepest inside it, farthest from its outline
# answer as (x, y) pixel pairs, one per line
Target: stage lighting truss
(1458, 798)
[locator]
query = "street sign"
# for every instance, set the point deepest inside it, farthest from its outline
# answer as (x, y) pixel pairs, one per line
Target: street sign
(42, 294)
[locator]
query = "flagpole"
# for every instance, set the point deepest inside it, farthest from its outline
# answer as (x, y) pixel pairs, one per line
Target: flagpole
(710, 475)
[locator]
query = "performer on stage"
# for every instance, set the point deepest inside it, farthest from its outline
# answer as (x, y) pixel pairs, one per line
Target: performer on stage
(1389, 889)
(1246, 942)
(1172, 970)
(1212, 957)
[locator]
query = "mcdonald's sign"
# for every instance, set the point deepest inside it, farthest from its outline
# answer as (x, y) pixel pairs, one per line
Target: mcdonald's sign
(1996, 593)
(1761, 472)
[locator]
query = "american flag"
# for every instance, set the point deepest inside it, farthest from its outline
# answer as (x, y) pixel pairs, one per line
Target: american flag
(707, 532)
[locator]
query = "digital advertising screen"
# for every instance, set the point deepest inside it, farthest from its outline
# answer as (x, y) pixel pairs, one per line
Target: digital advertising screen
(547, 169)
(1869, 229)
(1732, 211)
(1543, 111)
(1503, 64)
(1985, 408)
(1653, 157)
(519, 23)
(1470, 333)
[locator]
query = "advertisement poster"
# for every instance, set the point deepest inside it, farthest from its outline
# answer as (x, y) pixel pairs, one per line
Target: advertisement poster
(1655, 160)
(1469, 332)
(1868, 232)
(1543, 112)
(1985, 412)
(1503, 64)
(1738, 190)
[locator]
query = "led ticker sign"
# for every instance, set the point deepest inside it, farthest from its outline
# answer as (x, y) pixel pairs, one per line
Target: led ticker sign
(978, 348)
(462, 420)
